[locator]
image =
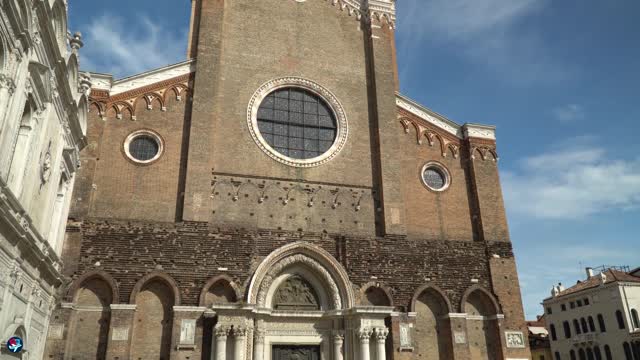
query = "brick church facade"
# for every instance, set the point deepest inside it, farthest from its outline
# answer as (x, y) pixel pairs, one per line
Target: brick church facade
(275, 197)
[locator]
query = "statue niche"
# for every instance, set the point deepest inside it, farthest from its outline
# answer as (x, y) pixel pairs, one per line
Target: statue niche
(295, 293)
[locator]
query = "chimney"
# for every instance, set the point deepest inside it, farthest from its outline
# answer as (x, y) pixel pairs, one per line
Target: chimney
(589, 272)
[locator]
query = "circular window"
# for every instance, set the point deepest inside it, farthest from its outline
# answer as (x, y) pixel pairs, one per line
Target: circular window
(143, 146)
(435, 177)
(297, 122)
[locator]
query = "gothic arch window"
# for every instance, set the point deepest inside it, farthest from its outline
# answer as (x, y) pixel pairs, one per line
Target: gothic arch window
(597, 352)
(554, 337)
(592, 325)
(620, 319)
(585, 328)
(607, 352)
(601, 323)
(572, 355)
(635, 319)
(627, 351)
(590, 354)
(582, 354)
(558, 357)
(567, 329)
(296, 293)
(576, 326)
(297, 122)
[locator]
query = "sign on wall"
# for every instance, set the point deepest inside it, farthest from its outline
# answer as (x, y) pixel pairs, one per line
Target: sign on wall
(15, 344)
(188, 332)
(515, 339)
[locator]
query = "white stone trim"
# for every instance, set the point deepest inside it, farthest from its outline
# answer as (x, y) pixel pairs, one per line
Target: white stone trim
(443, 169)
(143, 132)
(106, 82)
(319, 90)
(189, 308)
(123, 307)
(465, 131)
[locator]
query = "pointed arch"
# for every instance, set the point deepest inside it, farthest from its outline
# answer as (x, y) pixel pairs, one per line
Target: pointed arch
(225, 281)
(83, 113)
(376, 294)
(72, 73)
(319, 262)
(72, 292)
(495, 306)
(437, 290)
(60, 23)
(160, 276)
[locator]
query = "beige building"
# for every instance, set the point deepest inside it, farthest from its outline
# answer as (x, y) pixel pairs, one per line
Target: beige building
(43, 102)
(597, 318)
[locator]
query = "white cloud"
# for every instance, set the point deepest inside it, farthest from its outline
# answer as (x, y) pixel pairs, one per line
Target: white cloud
(488, 32)
(569, 113)
(116, 47)
(572, 183)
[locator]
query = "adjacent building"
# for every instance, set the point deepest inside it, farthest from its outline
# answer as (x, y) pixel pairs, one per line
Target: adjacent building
(275, 197)
(597, 318)
(43, 120)
(539, 339)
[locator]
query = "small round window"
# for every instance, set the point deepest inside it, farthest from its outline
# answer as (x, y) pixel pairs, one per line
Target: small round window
(143, 146)
(435, 177)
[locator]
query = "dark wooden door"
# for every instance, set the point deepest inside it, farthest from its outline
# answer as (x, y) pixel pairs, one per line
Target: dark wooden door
(290, 352)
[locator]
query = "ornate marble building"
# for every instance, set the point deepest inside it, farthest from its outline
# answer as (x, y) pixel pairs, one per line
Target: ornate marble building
(43, 121)
(275, 197)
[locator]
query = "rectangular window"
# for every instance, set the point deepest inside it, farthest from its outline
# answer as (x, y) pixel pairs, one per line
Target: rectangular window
(579, 303)
(572, 305)
(564, 307)
(549, 311)
(586, 301)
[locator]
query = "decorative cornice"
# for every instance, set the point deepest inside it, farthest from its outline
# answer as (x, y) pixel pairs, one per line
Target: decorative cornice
(466, 131)
(373, 9)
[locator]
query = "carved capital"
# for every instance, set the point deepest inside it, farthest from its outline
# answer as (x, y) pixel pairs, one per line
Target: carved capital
(381, 334)
(239, 331)
(338, 336)
(221, 331)
(259, 336)
(7, 83)
(364, 335)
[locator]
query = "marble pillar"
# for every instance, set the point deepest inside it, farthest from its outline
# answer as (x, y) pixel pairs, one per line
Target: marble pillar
(221, 333)
(258, 347)
(365, 336)
(381, 340)
(239, 336)
(338, 341)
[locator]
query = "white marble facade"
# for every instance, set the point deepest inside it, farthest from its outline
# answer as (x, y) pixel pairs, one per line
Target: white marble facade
(43, 111)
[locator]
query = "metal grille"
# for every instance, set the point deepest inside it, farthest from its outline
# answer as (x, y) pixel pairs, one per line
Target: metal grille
(434, 178)
(143, 148)
(297, 123)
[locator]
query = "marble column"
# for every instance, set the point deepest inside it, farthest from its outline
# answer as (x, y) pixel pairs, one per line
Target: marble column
(7, 87)
(365, 336)
(239, 336)
(221, 333)
(338, 341)
(381, 340)
(258, 347)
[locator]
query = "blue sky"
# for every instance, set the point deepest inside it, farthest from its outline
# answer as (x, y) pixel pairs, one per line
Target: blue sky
(559, 79)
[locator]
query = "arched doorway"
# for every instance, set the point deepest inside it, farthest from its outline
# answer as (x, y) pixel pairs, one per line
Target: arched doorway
(153, 319)
(432, 328)
(91, 319)
(483, 332)
(305, 308)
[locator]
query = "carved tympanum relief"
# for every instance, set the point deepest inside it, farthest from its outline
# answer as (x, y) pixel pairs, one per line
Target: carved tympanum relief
(296, 294)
